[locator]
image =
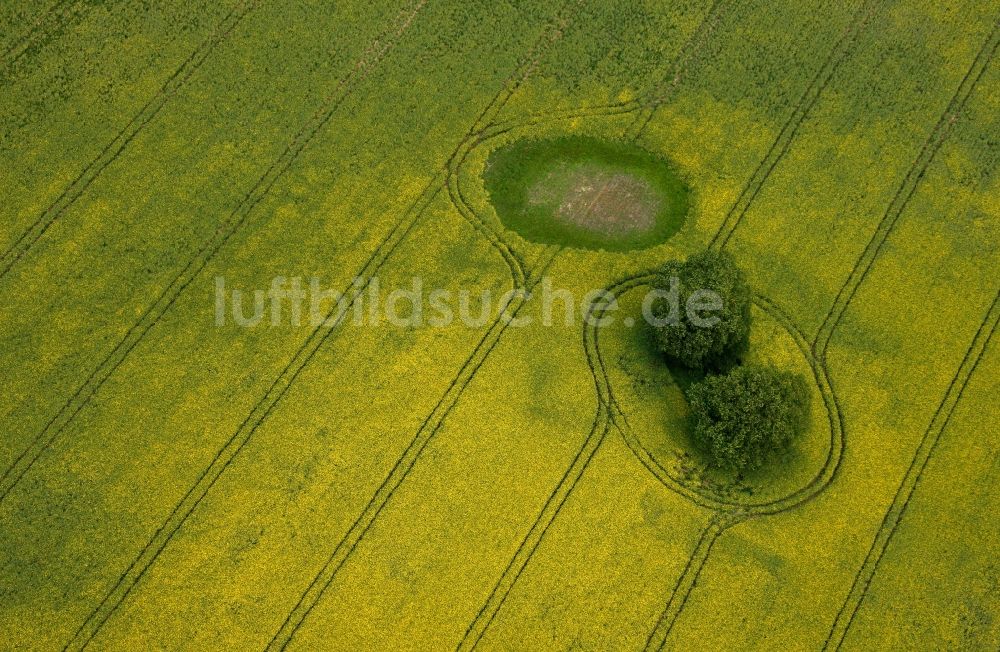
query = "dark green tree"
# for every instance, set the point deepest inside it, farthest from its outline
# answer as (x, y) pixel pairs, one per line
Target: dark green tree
(747, 415)
(701, 314)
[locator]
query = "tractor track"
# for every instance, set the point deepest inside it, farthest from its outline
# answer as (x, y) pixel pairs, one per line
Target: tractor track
(131, 576)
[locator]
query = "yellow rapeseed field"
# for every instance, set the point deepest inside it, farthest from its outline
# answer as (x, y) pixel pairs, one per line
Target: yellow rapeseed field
(172, 479)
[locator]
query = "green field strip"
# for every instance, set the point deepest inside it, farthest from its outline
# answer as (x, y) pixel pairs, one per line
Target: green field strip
(599, 575)
(941, 132)
(936, 585)
(863, 578)
(55, 148)
(31, 25)
(87, 97)
(612, 55)
(711, 115)
(368, 390)
(293, 368)
(828, 173)
(887, 403)
(68, 331)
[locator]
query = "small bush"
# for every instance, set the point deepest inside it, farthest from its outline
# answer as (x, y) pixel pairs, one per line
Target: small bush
(744, 417)
(699, 347)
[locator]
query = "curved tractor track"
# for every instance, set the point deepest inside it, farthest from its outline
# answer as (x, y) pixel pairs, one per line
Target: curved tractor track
(819, 347)
(523, 278)
(725, 513)
(608, 408)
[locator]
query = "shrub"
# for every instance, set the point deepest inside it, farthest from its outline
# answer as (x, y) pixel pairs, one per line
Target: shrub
(698, 346)
(744, 417)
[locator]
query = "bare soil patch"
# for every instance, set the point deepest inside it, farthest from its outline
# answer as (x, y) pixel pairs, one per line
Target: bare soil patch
(600, 201)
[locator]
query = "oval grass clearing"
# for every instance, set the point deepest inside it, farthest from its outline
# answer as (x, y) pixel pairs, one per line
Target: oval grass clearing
(579, 191)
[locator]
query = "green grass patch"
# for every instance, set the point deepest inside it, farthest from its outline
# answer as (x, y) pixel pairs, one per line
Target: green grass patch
(580, 191)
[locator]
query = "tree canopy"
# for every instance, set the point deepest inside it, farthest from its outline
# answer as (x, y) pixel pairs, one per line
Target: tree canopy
(702, 339)
(745, 416)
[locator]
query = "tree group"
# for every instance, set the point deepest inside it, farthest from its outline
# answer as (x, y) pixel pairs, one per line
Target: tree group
(740, 414)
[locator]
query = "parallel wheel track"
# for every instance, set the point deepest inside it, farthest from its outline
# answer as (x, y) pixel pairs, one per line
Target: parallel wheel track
(151, 551)
(820, 344)
(113, 149)
(208, 250)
